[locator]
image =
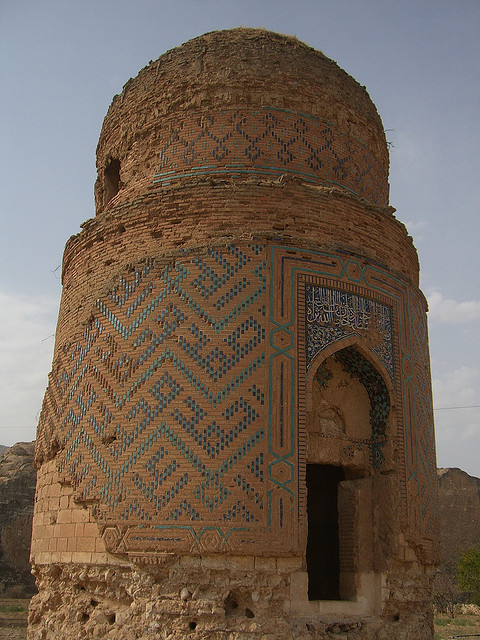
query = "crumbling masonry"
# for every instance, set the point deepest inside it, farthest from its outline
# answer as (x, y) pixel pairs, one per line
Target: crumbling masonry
(237, 437)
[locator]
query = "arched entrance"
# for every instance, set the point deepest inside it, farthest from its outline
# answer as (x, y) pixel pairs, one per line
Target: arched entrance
(347, 415)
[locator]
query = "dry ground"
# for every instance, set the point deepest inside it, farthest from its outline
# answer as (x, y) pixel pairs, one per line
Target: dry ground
(462, 627)
(13, 619)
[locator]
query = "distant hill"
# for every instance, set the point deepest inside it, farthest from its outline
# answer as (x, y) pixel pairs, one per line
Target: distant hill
(459, 512)
(17, 493)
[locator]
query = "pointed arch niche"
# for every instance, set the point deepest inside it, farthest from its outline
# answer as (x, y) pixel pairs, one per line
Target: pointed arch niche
(349, 417)
(347, 424)
(348, 411)
(348, 407)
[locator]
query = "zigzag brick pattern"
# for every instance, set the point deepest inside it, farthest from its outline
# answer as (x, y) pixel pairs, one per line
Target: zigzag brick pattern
(158, 410)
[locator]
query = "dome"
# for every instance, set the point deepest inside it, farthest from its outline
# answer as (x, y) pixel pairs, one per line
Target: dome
(239, 104)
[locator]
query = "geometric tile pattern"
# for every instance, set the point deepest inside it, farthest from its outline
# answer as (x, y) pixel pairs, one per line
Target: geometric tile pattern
(268, 142)
(156, 415)
(179, 414)
(421, 470)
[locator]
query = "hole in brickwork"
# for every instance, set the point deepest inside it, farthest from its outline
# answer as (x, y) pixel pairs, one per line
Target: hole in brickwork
(111, 179)
(192, 625)
(230, 604)
(111, 618)
(85, 616)
(249, 613)
(94, 603)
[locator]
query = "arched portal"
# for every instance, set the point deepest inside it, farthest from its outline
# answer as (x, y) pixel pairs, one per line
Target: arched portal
(346, 431)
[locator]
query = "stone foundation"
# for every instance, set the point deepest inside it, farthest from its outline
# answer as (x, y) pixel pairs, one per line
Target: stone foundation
(234, 598)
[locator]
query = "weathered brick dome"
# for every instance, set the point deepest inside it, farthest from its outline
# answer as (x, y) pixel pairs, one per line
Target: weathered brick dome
(244, 102)
(237, 436)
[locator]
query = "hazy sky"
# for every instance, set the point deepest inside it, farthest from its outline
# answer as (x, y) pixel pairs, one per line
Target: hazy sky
(61, 62)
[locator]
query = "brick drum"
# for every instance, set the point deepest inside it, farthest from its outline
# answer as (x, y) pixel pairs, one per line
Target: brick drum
(237, 436)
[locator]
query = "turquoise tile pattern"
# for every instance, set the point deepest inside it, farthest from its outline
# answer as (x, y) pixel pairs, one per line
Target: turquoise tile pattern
(333, 314)
(268, 143)
(158, 409)
(179, 414)
(387, 318)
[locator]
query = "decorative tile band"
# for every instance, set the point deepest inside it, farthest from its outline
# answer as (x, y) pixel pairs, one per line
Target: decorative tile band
(270, 143)
(373, 308)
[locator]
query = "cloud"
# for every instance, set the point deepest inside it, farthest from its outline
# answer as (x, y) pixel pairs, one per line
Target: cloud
(451, 311)
(457, 418)
(457, 388)
(414, 226)
(26, 347)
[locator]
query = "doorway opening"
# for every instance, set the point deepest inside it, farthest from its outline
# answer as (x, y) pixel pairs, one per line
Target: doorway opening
(323, 548)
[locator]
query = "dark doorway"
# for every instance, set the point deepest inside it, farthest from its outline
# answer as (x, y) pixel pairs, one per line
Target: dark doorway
(323, 564)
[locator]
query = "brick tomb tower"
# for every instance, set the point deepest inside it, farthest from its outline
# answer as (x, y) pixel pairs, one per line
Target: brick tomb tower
(237, 437)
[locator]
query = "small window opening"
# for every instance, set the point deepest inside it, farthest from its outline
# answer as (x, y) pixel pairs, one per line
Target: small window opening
(323, 557)
(111, 179)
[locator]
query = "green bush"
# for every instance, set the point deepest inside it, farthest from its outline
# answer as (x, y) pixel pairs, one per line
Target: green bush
(442, 622)
(468, 573)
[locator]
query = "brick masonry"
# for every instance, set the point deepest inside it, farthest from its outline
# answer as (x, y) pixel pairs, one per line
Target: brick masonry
(242, 237)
